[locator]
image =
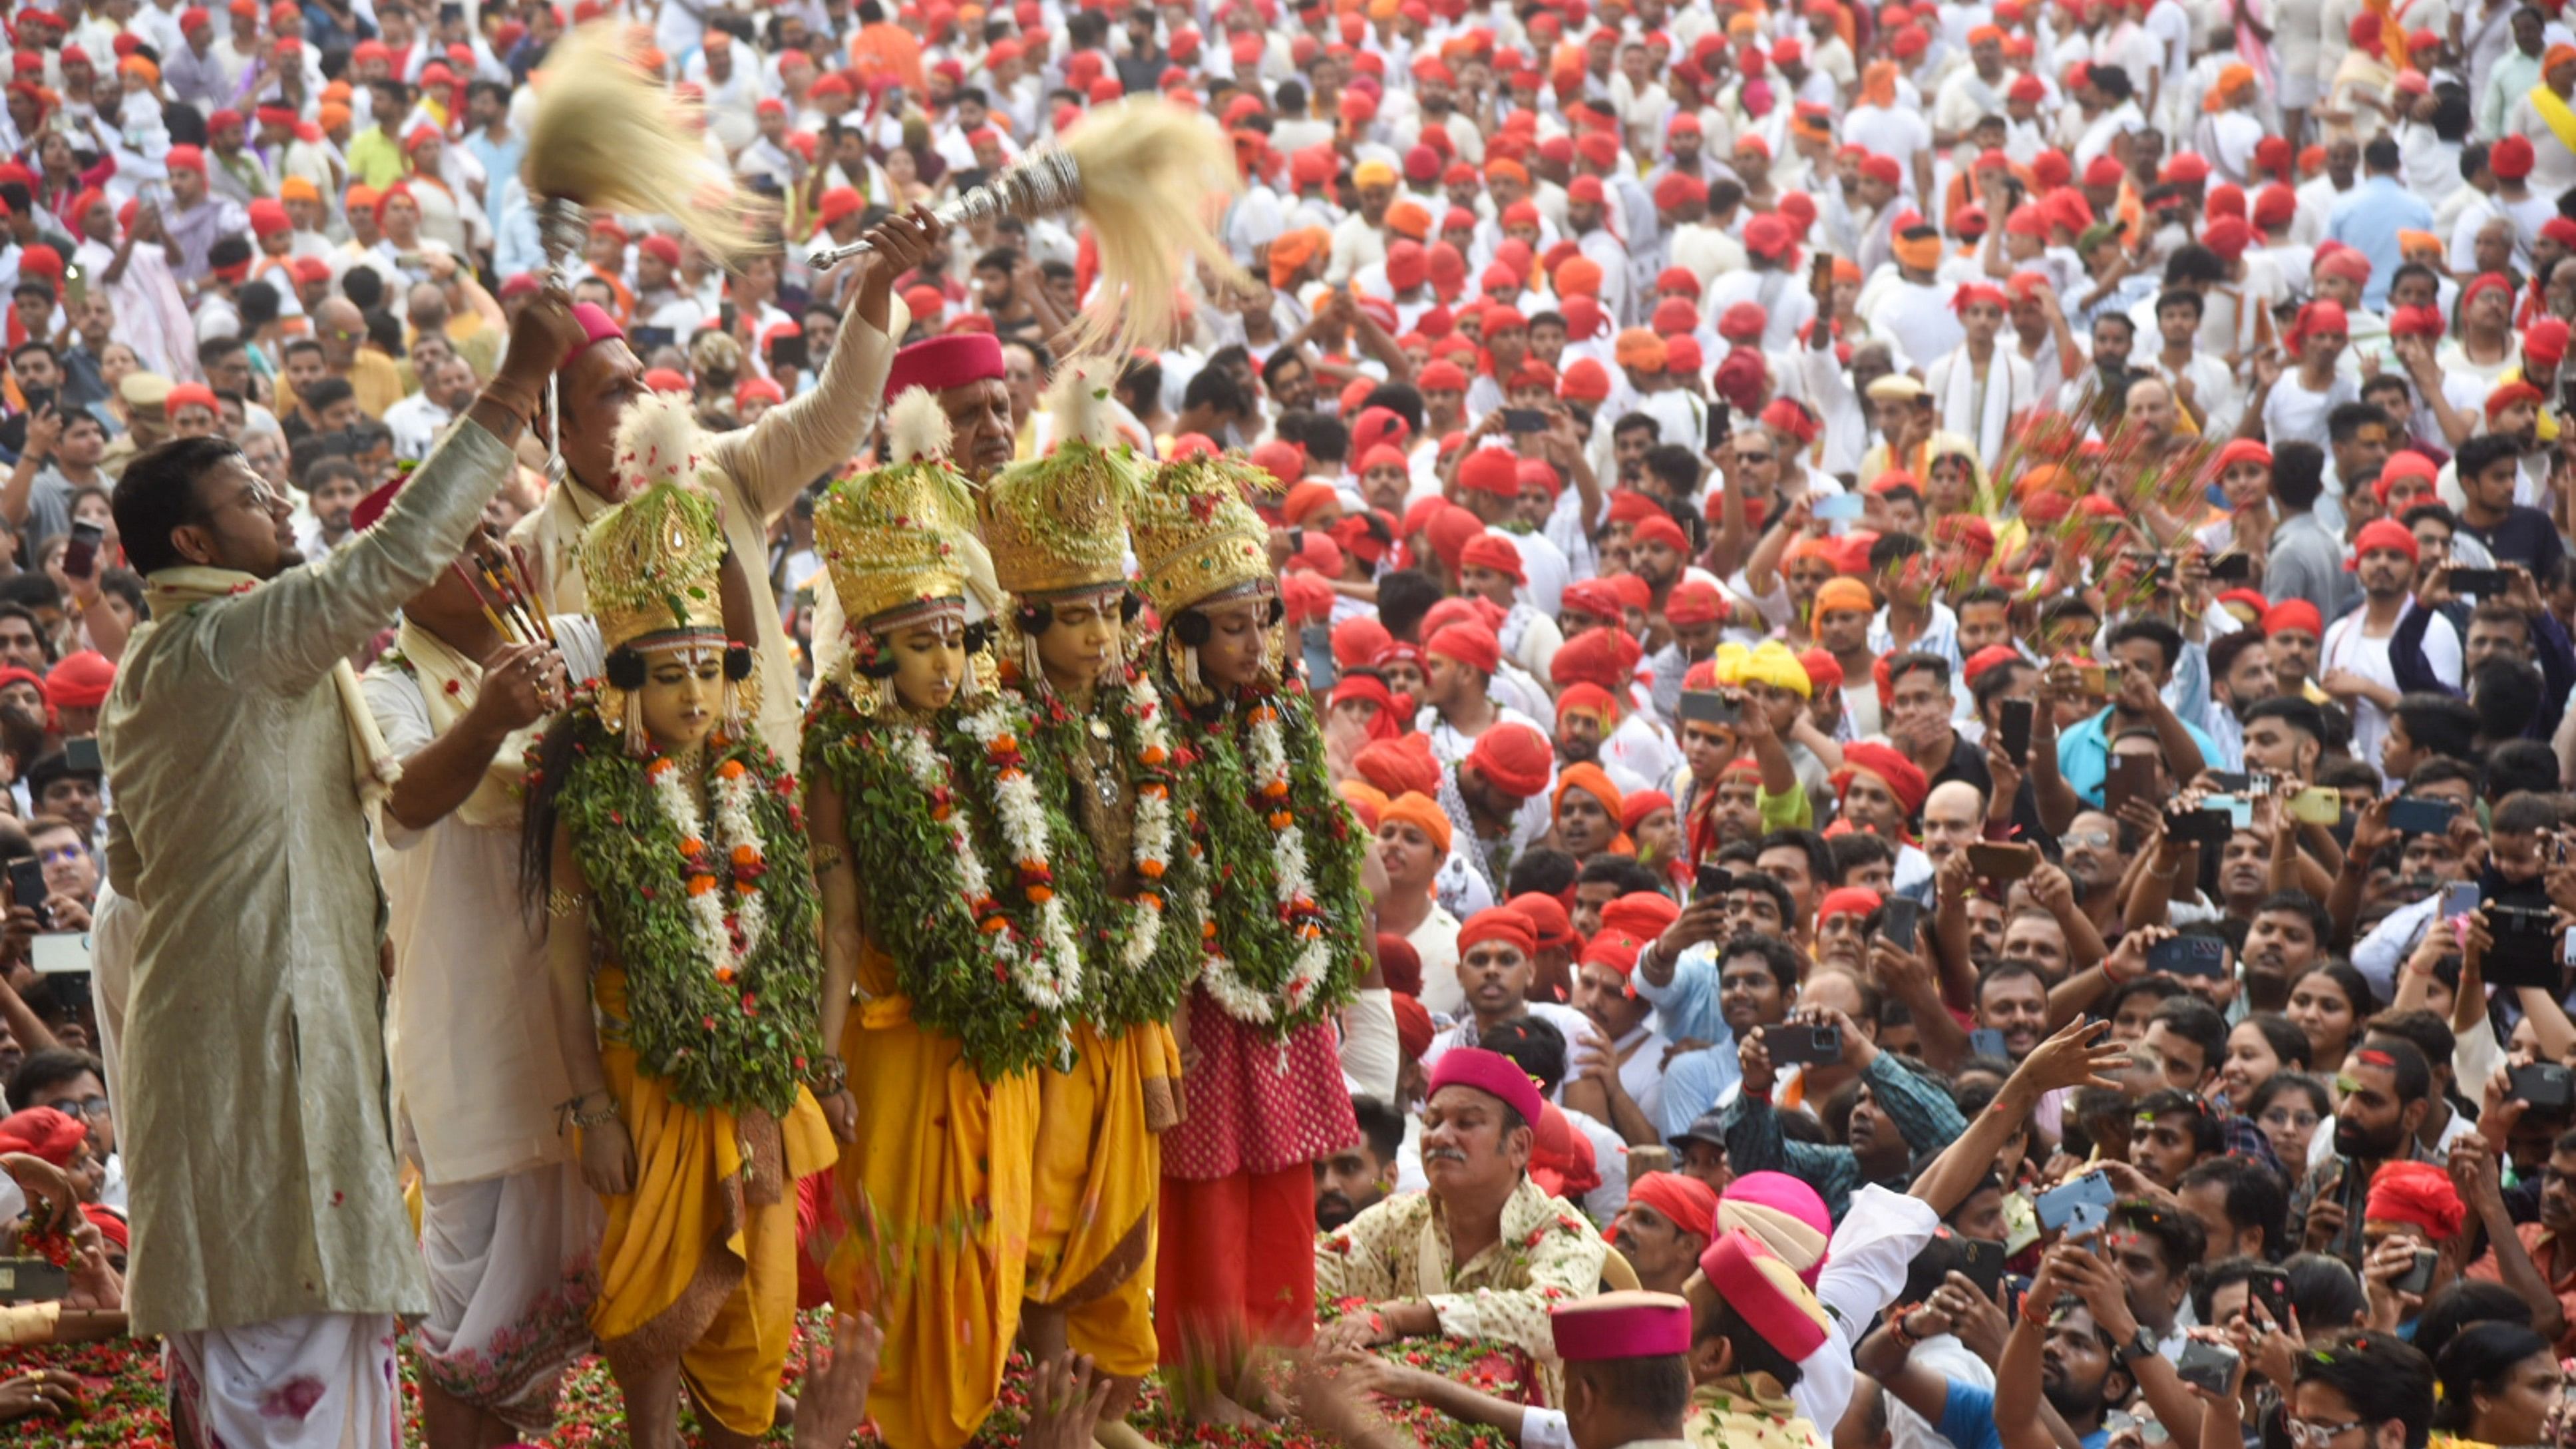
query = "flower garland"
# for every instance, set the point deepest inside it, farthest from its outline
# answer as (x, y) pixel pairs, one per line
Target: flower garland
(726, 938)
(1284, 901)
(1001, 976)
(1051, 974)
(1150, 954)
(729, 1020)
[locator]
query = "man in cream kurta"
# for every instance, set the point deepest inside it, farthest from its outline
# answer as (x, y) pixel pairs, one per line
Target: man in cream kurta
(509, 1232)
(270, 1240)
(760, 471)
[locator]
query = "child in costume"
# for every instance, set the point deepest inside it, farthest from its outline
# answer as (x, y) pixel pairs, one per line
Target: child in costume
(667, 844)
(935, 852)
(1100, 736)
(1287, 942)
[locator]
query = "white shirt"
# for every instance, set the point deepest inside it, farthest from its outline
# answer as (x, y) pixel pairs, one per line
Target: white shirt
(2347, 648)
(476, 1066)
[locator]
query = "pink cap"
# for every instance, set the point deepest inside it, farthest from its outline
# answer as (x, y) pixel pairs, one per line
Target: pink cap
(1625, 1324)
(1491, 1073)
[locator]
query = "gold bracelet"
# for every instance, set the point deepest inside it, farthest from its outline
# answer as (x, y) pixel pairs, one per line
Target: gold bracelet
(828, 859)
(561, 902)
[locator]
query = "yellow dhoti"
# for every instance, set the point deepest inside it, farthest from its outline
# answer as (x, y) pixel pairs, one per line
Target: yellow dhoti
(1099, 1163)
(699, 1261)
(936, 1194)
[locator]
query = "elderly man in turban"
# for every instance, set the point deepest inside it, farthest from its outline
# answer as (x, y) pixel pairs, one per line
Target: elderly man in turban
(1483, 1253)
(758, 471)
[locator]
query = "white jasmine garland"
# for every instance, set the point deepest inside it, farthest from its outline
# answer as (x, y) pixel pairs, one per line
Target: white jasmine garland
(1151, 848)
(1292, 888)
(1052, 971)
(735, 830)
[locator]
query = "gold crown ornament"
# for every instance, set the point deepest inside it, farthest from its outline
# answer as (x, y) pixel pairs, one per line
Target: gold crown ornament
(889, 538)
(1057, 525)
(653, 564)
(1198, 542)
(1197, 539)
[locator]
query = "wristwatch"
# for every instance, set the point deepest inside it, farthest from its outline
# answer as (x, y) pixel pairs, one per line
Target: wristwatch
(2135, 1349)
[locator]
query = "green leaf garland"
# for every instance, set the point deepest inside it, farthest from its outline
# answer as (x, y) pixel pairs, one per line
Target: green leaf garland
(954, 957)
(1115, 997)
(745, 1043)
(1252, 928)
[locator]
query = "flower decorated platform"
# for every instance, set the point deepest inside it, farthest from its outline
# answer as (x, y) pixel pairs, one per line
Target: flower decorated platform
(128, 1407)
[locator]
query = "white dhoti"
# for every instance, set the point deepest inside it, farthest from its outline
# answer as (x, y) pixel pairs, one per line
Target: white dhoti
(315, 1381)
(511, 1277)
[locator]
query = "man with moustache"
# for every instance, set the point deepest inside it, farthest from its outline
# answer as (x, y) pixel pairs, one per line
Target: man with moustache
(1359, 1177)
(1482, 1253)
(2388, 1091)
(760, 470)
(1664, 1228)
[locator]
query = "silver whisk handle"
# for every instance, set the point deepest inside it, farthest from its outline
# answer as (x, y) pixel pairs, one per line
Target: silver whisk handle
(1036, 184)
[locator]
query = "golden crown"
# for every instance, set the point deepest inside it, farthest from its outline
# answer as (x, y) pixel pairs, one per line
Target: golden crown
(650, 564)
(889, 538)
(1059, 523)
(1196, 537)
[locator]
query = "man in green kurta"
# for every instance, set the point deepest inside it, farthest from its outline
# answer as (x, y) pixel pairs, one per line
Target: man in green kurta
(270, 1240)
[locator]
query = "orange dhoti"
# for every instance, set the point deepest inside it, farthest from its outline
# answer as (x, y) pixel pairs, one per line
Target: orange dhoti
(1099, 1165)
(936, 1195)
(699, 1261)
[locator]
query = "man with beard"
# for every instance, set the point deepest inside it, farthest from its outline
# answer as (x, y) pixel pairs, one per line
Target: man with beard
(2387, 1090)
(1898, 1114)
(1497, 957)
(1478, 1130)
(2354, 658)
(1360, 1176)
(1457, 709)
(2285, 736)
(1496, 800)
(2084, 1357)
(258, 977)
(1664, 1228)
(2012, 1002)
(2489, 469)
(24, 730)
(2240, 676)
(2286, 937)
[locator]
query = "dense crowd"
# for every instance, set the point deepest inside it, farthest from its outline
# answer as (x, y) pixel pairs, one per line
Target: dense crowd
(1849, 725)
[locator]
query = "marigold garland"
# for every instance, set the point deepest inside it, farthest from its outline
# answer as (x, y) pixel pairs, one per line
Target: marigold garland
(739, 1030)
(1283, 867)
(994, 965)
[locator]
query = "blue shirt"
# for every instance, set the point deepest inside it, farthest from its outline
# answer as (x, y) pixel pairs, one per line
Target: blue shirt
(1968, 1420)
(1693, 1084)
(2084, 755)
(2368, 219)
